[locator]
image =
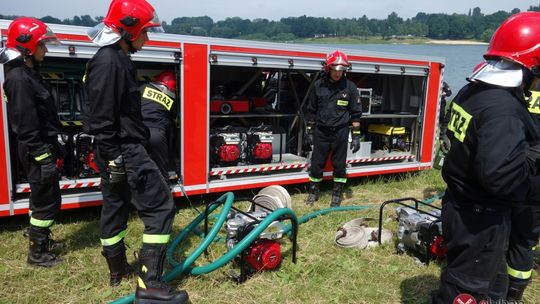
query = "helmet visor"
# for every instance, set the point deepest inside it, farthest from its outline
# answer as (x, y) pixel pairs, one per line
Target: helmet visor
(339, 67)
(154, 25)
(504, 73)
(49, 38)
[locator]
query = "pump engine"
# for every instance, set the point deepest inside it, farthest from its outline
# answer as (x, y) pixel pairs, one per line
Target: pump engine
(226, 146)
(259, 144)
(420, 233)
(84, 155)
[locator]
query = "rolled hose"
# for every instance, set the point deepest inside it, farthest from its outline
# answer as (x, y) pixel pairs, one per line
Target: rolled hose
(227, 199)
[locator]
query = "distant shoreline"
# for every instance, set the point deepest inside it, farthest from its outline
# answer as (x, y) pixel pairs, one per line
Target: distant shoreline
(378, 40)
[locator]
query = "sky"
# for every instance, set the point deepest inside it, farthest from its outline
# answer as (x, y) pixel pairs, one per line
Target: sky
(269, 9)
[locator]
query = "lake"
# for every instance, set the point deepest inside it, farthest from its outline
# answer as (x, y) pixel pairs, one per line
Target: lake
(460, 59)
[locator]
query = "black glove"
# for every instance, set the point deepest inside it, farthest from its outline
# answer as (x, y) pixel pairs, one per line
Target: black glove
(445, 143)
(355, 135)
(44, 158)
(309, 133)
(116, 170)
(533, 159)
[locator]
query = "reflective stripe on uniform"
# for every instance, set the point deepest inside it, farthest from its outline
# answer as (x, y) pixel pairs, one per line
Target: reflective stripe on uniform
(156, 238)
(523, 275)
(315, 180)
(341, 102)
(41, 223)
(115, 239)
(42, 156)
(342, 180)
(534, 102)
(158, 97)
(459, 121)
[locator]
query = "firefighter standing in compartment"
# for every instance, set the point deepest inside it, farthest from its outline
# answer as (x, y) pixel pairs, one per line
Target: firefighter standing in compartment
(333, 104)
(158, 108)
(486, 169)
(525, 220)
(128, 175)
(33, 119)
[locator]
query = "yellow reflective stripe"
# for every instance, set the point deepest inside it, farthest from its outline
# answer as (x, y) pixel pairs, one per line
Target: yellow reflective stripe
(113, 240)
(156, 238)
(41, 223)
(42, 156)
(524, 275)
(459, 121)
(315, 180)
(141, 283)
(534, 102)
(342, 102)
(5, 96)
(340, 180)
(158, 97)
(355, 132)
(84, 78)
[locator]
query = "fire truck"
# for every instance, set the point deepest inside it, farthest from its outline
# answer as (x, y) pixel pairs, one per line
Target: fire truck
(240, 122)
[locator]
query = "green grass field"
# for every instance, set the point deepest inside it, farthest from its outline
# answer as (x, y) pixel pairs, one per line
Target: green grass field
(324, 273)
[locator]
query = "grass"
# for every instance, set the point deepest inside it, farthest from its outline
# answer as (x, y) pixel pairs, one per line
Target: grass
(324, 273)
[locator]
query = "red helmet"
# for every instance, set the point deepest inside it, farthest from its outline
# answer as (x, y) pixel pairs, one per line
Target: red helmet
(25, 33)
(517, 39)
(166, 82)
(336, 61)
(130, 17)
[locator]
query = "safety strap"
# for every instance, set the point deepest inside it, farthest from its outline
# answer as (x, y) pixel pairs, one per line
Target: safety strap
(113, 240)
(42, 156)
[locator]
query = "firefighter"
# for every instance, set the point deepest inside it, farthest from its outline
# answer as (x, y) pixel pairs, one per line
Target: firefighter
(333, 104)
(444, 117)
(158, 109)
(486, 169)
(128, 175)
(523, 239)
(34, 120)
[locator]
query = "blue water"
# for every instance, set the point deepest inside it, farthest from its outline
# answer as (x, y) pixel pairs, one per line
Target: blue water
(460, 59)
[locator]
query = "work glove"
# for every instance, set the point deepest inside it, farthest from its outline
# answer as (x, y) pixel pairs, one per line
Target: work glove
(116, 170)
(355, 135)
(445, 143)
(44, 158)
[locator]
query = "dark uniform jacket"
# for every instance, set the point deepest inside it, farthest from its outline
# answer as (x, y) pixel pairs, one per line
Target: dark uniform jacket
(158, 109)
(32, 113)
(113, 105)
(334, 104)
(491, 131)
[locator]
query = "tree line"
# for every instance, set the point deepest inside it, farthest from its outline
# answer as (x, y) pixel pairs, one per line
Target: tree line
(474, 25)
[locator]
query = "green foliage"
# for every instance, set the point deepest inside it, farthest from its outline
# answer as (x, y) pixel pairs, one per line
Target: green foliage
(474, 25)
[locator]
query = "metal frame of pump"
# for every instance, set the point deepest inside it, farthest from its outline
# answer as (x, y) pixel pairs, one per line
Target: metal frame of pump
(429, 237)
(250, 260)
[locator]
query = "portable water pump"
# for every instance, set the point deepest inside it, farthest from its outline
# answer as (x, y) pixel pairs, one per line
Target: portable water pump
(226, 145)
(84, 155)
(259, 144)
(419, 231)
(264, 253)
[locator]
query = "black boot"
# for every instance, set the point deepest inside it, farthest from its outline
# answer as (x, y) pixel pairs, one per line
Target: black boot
(150, 285)
(119, 268)
(337, 195)
(313, 193)
(39, 253)
(516, 287)
(54, 245)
